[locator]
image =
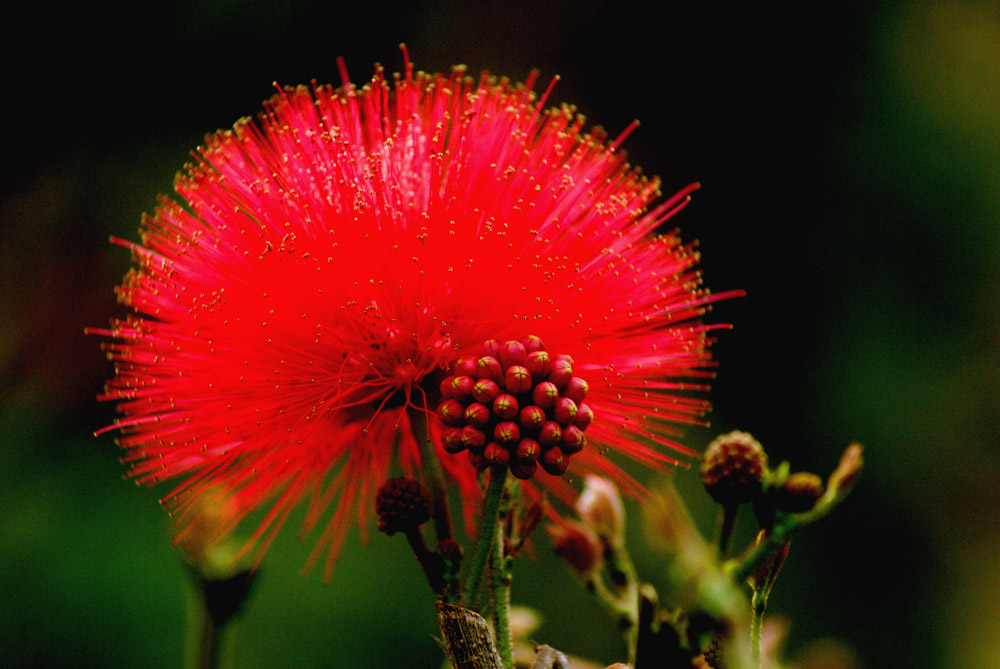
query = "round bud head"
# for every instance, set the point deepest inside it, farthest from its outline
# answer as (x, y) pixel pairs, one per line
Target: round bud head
(539, 364)
(513, 403)
(517, 379)
(505, 406)
(512, 353)
(531, 417)
(799, 493)
(466, 366)
(402, 505)
(461, 387)
(562, 372)
(507, 433)
(523, 469)
(549, 434)
(485, 391)
(572, 440)
(452, 412)
(496, 454)
(545, 395)
(477, 415)
(488, 367)
(527, 449)
(473, 439)
(554, 462)
(577, 389)
(533, 343)
(451, 440)
(491, 348)
(564, 411)
(733, 467)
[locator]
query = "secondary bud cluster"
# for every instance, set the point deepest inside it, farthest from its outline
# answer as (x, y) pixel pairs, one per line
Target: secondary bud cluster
(401, 504)
(733, 467)
(516, 404)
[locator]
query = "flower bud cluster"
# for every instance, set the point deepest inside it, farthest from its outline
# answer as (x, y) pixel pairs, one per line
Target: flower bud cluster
(517, 405)
(733, 467)
(401, 505)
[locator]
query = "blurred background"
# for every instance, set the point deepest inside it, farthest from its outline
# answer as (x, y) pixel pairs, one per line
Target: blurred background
(849, 162)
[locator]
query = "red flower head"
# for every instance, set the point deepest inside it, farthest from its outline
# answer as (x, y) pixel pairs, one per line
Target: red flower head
(329, 264)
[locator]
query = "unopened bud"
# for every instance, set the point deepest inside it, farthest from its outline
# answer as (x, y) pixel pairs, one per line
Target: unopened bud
(847, 471)
(733, 467)
(600, 508)
(576, 544)
(799, 492)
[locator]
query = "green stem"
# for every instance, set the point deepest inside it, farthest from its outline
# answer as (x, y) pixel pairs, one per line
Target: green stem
(500, 576)
(487, 532)
(758, 604)
(725, 526)
(434, 474)
(775, 538)
(209, 639)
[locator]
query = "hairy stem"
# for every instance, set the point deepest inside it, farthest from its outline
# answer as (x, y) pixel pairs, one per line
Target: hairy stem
(499, 578)
(487, 532)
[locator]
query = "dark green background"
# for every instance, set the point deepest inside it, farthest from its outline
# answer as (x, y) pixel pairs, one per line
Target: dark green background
(849, 157)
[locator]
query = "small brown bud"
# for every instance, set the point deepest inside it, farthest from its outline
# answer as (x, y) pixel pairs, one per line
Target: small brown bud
(847, 471)
(799, 493)
(576, 544)
(402, 504)
(600, 508)
(733, 467)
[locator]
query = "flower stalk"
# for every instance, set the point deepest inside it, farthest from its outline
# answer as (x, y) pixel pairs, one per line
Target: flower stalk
(500, 571)
(487, 532)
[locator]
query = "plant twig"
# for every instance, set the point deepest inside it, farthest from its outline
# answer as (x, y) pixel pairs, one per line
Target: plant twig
(487, 532)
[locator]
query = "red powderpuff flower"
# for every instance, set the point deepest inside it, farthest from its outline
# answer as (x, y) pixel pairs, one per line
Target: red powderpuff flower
(328, 263)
